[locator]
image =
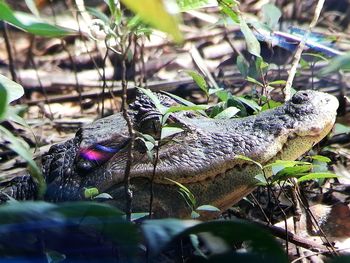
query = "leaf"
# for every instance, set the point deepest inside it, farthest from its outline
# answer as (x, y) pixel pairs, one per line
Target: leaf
(91, 192)
(186, 193)
(3, 102)
(253, 44)
(21, 148)
(261, 178)
(199, 79)
(250, 103)
(161, 108)
(14, 90)
(209, 208)
(158, 233)
(31, 24)
(101, 196)
(312, 176)
(277, 82)
(186, 5)
(32, 7)
(111, 6)
(159, 14)
(340, 128)
(335, 64)
(321, 158)
(290, 172)
(227, 113)
(237, 231)
(250, 79)
(226, 7)
(168, 131)
(242, 65)
(187, 108)
(242, 157)
(271, 15)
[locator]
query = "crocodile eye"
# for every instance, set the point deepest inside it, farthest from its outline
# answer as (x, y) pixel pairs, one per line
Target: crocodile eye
(300, 97)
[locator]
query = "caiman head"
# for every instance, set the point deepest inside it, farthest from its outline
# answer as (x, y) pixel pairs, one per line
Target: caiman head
(203, 157)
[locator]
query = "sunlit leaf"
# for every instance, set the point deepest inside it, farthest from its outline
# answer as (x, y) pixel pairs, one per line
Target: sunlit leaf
(227, 113)
(271, 15)
(160, 14)
(14, 90)
(169, 131)
(199, 79)
(209, 208)
(340, 128)
(31, 24)
(186, 108)
(90, 192)
(186, 5)
(32, 7)
(321, 158)
(253, 44)
(313, 176)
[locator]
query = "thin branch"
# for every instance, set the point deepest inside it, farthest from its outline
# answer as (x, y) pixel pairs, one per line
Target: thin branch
(128, 192)
(9, 52)
(300, 50)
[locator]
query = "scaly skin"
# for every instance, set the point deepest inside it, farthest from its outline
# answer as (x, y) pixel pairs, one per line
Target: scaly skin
(202, 157)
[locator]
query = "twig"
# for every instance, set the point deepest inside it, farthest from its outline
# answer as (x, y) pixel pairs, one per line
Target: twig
(9, 52)
(126, 116)
(300, 49)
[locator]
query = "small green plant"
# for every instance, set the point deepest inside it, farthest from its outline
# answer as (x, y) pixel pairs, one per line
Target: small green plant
(9, 92)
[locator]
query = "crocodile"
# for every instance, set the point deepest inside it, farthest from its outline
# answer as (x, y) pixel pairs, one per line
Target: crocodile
(204, 156)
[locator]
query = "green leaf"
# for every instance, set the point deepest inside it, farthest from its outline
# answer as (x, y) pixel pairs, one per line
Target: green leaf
(186, 194)
(209, 208)
(32, 7)
(226, 7)
(341, 62)
(321, 158)
(91, 192)
(186, 108)
(340, 128)
(31, 24)
(261, 178)
(20, 147)
(111, 6)
(271, 15)
(242, 65)
(290, 172)
(186, 5)
(253, 44)
(312, 176)
(242, 157)
(199, 79)
(277, 82)
(227, 113)
(252, 80)
(250, 103)
(98, 14)
(161, 108)
(3, 102)
(14, 90)
(159, 14)
(168, 131)
(278, 165)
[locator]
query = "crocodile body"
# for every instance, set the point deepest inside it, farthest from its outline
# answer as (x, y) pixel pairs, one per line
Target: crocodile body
(202, 157)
